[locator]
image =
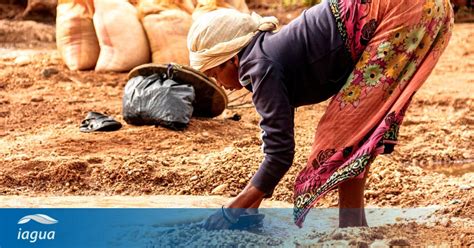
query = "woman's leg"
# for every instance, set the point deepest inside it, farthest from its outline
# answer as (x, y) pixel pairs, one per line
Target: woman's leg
(369, 109)
(257, 203)
(253, 209)
(351, 202)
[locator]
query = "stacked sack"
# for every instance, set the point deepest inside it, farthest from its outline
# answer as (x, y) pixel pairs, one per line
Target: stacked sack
(166, 23)
(107, 34)
(75, 34)
(122, 40)
(101, 34)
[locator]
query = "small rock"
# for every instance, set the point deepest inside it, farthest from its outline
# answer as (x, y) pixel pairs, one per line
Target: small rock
(193, 178)
(383, 173)
(219, 189)
(37, 99)
(455, 201)
(119, 189)
(228, 149)
(379, 244)
(336, 243)
(423, 163)
(445, 222)
(3, 133)
(358, 243)
(150, 163)
(467, 154)
(417, 192)
(430, 224)
(22, 60)
(444, 211)
(48, 72)
(337, 235)
(235, 117)
(68, 88)
(4, 101)
(465, 187)
(430, 162)
(399, 242)
(370, 192)
(231, 115)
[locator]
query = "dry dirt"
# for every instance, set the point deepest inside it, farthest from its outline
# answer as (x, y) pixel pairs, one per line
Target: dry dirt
(42, 152)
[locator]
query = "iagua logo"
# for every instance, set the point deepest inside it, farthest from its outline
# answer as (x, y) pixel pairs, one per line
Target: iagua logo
(33, 236)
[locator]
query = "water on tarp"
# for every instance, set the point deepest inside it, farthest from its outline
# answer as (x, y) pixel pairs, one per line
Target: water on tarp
(182, 230)
(278, 229)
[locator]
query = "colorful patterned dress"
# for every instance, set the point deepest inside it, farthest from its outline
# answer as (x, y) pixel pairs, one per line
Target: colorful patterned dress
(397, 44)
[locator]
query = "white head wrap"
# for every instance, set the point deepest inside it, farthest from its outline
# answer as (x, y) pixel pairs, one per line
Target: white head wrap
(217, 36)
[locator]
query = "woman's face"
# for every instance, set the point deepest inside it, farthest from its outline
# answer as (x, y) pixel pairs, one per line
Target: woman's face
(226, 74)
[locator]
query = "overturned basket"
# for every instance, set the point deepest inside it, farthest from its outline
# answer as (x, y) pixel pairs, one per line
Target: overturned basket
(210, 100)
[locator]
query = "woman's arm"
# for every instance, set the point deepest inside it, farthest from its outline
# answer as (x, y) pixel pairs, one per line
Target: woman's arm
(250, 197)
(271, 100)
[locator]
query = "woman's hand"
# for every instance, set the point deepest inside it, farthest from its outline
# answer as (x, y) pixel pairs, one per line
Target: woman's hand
(229, 214)
(221, 219)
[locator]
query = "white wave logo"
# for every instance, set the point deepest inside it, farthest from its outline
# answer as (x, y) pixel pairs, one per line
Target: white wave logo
(34, 235)
(40, 218)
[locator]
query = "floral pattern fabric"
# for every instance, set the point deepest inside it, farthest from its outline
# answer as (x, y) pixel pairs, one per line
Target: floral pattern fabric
(396, 49)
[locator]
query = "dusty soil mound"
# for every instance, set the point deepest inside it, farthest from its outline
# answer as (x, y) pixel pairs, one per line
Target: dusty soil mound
(26, 34)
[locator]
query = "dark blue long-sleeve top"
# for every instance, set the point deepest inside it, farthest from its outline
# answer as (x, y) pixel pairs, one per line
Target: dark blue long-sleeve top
(304, 63)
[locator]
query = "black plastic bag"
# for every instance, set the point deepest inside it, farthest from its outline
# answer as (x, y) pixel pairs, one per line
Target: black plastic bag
(154, 100)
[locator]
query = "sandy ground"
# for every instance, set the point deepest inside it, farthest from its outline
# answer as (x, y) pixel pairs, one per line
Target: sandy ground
(42, 152)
